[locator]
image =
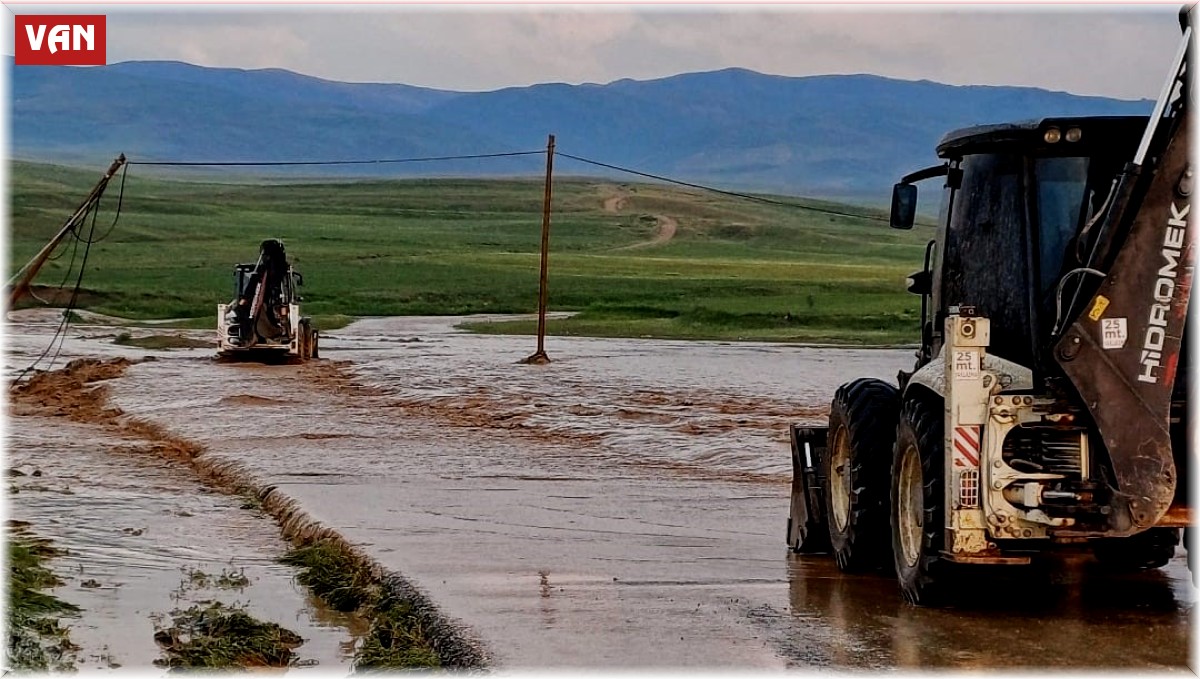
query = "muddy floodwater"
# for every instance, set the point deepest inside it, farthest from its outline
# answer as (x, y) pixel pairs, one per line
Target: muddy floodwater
(144, 538)
(623, 506)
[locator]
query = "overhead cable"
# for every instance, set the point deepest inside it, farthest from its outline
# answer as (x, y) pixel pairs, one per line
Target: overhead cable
(724, 192)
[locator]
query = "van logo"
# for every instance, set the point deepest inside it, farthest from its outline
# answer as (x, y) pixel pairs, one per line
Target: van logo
(59, 40)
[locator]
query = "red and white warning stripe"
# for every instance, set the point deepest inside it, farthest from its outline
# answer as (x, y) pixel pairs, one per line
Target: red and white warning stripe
(966, 446)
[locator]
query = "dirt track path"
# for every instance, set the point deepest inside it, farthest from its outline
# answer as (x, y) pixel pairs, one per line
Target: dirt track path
(614, 203)
(667, 226)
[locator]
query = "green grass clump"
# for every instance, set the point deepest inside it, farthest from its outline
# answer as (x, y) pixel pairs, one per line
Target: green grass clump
(324, 322)
(217, 636)
(464, 246)
(332, 575)
(396, 638)
(703, 323)
(228, 578)
(36, 639)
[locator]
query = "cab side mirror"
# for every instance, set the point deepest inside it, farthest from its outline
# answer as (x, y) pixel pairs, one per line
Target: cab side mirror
(920, 283)
(904, 206)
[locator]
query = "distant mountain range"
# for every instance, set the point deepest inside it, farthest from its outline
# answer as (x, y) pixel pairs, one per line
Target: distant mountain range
(825, 135)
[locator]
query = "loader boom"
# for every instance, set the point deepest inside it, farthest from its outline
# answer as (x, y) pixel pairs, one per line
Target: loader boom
(1121, 349)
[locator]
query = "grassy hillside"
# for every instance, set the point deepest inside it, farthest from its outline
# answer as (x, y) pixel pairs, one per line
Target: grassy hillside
(734, 268)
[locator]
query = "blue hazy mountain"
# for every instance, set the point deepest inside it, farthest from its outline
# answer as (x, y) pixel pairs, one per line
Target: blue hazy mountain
(738, 128)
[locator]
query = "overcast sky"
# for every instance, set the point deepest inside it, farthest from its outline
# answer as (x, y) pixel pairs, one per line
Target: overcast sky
(1105, 50)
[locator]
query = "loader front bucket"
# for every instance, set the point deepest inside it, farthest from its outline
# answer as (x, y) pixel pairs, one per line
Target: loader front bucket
(806, 531)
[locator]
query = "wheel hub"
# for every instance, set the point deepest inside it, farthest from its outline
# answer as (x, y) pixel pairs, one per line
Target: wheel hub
(910, 509)
(839, 479)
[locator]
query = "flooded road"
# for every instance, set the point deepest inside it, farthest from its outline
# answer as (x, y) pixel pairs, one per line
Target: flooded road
(622, 507)
(718, 406)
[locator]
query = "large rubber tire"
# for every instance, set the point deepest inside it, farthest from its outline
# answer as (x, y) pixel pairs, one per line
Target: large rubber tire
(1149, 549)
(855, 472)
(316, 344)
(917, 502)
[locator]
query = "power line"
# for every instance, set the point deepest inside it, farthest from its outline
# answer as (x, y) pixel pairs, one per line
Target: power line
(509, 154)
(375, 161)
(70, 265)
(71, 304)
(60, 333)
(120, 202)
(735, 194)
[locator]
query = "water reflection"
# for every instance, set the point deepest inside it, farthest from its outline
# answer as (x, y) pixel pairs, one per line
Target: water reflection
(1063, 613)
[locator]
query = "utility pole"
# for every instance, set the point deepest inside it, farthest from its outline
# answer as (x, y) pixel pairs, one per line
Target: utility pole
(30, 271)
(539, 357)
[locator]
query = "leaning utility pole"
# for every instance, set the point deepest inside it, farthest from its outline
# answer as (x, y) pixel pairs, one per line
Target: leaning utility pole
(21, 280)
(539, 357)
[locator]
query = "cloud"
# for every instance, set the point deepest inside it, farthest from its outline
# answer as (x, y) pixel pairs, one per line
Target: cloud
(1120, 52)
(263, 46)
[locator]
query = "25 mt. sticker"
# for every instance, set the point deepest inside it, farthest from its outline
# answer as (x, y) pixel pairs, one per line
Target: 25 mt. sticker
(966, 365)
(1113, 333)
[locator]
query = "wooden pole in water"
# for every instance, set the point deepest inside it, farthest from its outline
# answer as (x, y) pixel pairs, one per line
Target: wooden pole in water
(25, 276)
(539, 357)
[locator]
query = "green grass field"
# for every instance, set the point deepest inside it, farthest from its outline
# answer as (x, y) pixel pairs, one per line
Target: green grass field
(735, 269)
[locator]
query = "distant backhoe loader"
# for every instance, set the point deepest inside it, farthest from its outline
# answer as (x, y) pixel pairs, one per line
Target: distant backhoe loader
(263, 320)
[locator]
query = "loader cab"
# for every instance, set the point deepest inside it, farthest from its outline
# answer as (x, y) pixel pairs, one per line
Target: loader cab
(241, 278)
(1014, 207)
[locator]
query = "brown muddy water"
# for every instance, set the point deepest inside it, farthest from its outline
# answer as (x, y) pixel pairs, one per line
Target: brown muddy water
(143, 537)
(622, 507)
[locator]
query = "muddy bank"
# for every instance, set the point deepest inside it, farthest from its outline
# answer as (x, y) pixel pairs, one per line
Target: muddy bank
(78, 392)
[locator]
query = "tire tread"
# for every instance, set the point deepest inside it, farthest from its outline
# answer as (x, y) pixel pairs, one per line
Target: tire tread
(869, 409)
